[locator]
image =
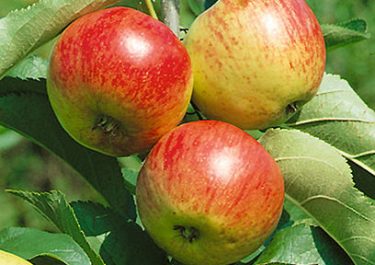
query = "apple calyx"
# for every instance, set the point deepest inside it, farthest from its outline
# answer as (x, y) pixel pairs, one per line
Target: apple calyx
(292, 108)
(108, 125)
(189, 233)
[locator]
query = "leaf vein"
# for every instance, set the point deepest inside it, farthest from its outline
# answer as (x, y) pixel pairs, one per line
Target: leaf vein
(312, 198)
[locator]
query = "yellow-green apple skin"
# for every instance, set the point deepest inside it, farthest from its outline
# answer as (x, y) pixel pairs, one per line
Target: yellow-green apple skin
(255, 62)
(7, 258)
(209, 194)
(118, 80)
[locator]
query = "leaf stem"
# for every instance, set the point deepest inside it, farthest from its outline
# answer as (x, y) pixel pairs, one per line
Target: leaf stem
(151, 9)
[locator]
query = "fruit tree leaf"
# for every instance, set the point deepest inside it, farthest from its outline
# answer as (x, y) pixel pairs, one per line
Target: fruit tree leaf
(130, 167)
(318, 179)
(24, 107)
(339, 117)
(32, 67)
(23, 30)
(345, 33)
(30, 243)
(119, 241)
(53, 206)
(304, 245)
(187, 15)
(197, 6)
(363, 180)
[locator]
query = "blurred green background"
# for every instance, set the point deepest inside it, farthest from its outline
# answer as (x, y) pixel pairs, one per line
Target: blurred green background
(24, 165)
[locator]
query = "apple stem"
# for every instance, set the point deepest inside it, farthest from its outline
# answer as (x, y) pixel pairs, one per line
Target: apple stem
(189, 233)
(107, 124)
(151, 9)
(292, 108)
(196, 110)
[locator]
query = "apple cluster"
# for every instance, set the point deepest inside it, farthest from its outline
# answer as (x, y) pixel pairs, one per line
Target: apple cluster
(120, 83)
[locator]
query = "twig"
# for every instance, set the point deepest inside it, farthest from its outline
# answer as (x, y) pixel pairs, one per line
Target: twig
(170, 10)
(151, 9)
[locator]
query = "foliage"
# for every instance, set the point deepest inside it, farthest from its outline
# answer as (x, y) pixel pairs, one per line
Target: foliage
(326, 220)
(354, 63)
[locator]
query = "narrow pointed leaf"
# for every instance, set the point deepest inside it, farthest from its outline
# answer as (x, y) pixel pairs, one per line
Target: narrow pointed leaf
(319, 181)
(337, 35)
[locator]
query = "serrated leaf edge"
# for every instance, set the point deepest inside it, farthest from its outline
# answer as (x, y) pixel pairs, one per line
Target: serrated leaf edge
(370, 203)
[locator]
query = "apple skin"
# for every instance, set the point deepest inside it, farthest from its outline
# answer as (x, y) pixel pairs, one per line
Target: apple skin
(255, 62)
(7, 258)
(209, 193)
(119, 80)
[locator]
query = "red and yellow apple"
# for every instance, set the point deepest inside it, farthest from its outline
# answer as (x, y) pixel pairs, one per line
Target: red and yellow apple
(208, 193)
(255, 62)
(7, 258)
(118, 80)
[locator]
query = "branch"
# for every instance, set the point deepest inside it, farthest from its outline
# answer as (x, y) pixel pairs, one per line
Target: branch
(170, 10)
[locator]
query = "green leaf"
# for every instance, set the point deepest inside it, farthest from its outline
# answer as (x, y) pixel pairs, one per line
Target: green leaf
(31, 243)
(303, 245)
(319, 181)
(130, 167)
(345, 33)
(119, 241)
(53, 206)
(24, 30)
(197, 6)
(339, 117)
(24, 107)
(33, 67)
(364, 180)
(187, 15)
(7, 6)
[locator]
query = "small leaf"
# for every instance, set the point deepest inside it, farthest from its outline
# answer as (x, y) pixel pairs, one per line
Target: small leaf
(24, 30)
(345, 33)
(318, 180)
(24, 107)
(119, 241)
(303, 245)
(33, 67)
(338, 116)
(131, 166)
(31, 243)
(54, 207)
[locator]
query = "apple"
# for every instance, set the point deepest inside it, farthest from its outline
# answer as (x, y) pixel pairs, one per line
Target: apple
(208, 193)
(7, 258)
(118, 80)
(255, 62)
